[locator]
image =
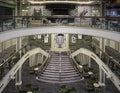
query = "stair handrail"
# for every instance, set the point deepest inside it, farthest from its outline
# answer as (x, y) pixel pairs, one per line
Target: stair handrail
(109, 58)
(42, 67)
(11, 73)
(76, 65)
(96, 46)
(16, 52)
(110, 74)
(17, 55)
(102, 53)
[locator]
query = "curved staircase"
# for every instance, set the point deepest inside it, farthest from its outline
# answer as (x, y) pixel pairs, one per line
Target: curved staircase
(59, 70)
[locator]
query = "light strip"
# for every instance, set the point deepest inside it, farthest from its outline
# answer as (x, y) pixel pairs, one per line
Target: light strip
(73, 2)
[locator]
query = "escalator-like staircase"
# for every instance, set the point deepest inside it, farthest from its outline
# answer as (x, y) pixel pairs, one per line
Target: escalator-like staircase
(59, 70)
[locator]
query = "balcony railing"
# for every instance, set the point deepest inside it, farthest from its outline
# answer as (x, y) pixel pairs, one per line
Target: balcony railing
(95, 22)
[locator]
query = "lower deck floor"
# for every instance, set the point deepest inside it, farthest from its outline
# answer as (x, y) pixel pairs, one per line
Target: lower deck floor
(29, 81)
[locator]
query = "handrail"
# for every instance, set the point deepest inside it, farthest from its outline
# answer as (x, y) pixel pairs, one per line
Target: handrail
(110, 74)
(41, 67)
(96, 46)
(17, 66)
(76, 66)
(14, 55)
(109, 58)
(59, 16)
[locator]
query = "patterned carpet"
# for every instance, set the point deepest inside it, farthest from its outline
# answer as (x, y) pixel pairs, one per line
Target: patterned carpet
(42, 87)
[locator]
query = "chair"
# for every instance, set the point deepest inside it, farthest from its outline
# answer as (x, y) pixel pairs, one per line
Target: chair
(28, 87)
(35, 90)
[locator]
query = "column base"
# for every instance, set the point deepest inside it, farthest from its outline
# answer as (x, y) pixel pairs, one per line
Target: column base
(19, 83)
(101, 84)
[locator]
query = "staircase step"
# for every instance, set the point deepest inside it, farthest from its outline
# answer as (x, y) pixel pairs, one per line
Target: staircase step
(60, 76)
(63, 74)
(62, 71)
(58, 81)
(49, 78)
(67, 65)
(59, 70)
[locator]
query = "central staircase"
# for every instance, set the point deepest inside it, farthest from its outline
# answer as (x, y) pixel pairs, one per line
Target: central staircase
(59, 70)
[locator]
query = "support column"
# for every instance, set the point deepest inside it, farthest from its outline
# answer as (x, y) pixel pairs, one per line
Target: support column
(108, 42)
(2, 46)
(32, 61)
(102, 8)
(78, 59)
(52, 41)
(103, 13)
(39, 58)
(35, 60)
(102, 46)
(101, 72)
(101, 77)
(84, 59)
(89, 61)
(117, 46)
(19, 7)
(19, 12)
(18, 78)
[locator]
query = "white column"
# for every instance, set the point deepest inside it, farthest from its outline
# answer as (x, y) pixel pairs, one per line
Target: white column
(112, 44)
(101, 77)
(84, 59)
(78, 59)
(18, 78)
(117, 46)
(18, 74)
(101, 73)
(89, 61)
(40, 58)
(19, 7)
(67, 41)
(2, 46)
(102, 46)
(32, 61)
(52, 41)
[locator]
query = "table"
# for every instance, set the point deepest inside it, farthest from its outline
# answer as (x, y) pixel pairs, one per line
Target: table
(96, 85)
(36, 69)
(90, 73)
(29, 92)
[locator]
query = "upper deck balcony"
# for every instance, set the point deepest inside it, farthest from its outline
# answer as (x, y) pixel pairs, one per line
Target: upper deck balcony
(94, 22)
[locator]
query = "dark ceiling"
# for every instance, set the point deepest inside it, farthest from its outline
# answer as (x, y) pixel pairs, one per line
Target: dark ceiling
(60, 6)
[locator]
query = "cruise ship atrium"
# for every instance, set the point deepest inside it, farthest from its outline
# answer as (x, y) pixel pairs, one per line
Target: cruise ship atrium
(59, 46)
